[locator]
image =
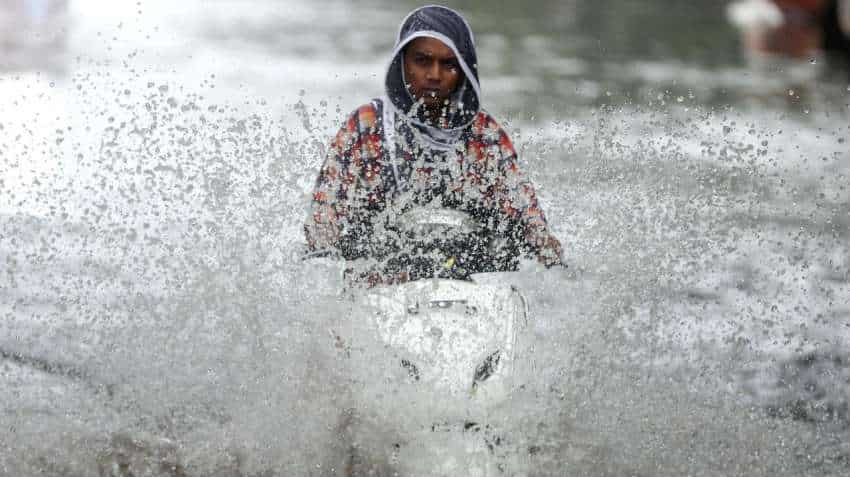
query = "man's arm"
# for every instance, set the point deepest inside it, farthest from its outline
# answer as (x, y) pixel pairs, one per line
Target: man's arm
(516, 199)
(329, 208)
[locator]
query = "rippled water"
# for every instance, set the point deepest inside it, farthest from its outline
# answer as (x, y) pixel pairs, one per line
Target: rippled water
(156, 316)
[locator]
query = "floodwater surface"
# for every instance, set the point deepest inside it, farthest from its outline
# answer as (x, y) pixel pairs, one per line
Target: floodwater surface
(156, 160)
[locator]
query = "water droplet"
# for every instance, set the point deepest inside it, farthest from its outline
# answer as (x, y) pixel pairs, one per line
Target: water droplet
(680, 99)
(52, 84)
(790, 92)
(813, 61)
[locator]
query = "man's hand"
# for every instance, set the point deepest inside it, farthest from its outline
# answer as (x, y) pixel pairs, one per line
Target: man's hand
(550, 253)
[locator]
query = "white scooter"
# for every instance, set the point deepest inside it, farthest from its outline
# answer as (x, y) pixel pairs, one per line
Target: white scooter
(456, 336)
(442, 358)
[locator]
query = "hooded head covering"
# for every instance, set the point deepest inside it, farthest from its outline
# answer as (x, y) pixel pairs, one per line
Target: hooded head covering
(447, 26)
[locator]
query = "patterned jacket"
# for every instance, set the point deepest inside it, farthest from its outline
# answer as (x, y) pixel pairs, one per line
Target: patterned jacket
(482, 177)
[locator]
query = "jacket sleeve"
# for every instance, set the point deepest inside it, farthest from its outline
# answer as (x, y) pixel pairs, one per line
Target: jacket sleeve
(330, 205)
(517, 200)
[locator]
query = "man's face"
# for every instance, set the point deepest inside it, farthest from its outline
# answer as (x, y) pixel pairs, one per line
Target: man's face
(431, 70)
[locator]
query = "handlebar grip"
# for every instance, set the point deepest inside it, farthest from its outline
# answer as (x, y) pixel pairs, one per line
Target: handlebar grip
(324, 253)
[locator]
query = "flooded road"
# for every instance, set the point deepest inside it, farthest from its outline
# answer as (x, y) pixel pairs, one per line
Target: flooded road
(155, 166)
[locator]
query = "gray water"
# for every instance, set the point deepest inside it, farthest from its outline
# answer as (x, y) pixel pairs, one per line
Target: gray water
(156, 163)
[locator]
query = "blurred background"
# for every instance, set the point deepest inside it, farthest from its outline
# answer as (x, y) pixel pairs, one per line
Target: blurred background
(539, 56)
(156, 160)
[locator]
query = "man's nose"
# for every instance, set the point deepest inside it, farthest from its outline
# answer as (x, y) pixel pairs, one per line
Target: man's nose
(433, 73)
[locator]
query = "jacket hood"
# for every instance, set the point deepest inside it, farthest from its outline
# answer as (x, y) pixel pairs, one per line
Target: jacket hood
(449, 27)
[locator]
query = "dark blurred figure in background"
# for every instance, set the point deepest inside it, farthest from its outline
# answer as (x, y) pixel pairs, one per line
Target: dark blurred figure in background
(796, 29)
(33, 34)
